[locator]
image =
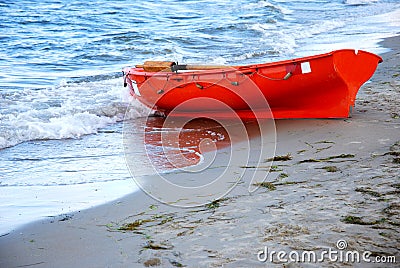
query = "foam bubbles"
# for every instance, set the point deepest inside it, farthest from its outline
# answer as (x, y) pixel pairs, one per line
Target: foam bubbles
(359, 2)
(69, 110)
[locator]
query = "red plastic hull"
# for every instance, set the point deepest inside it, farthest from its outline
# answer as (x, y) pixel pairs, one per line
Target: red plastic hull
(321, 86)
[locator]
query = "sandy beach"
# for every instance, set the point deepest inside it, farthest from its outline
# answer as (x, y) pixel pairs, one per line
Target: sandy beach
(337, 180)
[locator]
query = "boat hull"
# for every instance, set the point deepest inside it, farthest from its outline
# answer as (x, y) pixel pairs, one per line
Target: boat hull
(321, 86)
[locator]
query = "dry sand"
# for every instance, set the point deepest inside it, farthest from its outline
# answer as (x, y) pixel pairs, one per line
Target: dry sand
(341, 183)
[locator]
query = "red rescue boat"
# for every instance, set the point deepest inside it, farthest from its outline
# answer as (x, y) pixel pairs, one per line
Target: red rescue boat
(320, 86)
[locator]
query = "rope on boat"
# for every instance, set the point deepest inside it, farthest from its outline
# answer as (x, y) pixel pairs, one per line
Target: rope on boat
(197, 83)
(286, 77)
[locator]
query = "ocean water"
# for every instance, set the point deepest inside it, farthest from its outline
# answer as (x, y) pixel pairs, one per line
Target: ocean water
(62, 100)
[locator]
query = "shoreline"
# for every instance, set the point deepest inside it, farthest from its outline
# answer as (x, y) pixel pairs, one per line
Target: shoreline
(351, 192)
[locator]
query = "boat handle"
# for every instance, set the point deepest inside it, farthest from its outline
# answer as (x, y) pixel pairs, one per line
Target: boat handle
(247, 72)
(124, 76)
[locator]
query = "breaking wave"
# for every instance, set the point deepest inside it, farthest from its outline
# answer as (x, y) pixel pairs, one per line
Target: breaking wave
(69, 110)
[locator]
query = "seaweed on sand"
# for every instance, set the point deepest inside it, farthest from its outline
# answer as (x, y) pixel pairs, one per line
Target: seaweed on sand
(132, 226)
(155, 246)
(327, 159)
(214, 204)
(286, 157)
(358, 220)
(331, 168)
(368, 191)
(269, 185)
(152, 262)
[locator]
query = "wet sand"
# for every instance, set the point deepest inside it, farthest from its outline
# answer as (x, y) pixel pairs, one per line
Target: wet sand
(341, 182)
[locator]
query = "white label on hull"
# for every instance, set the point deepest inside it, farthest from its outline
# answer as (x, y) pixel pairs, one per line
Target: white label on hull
(305, 67)
(135, 88)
